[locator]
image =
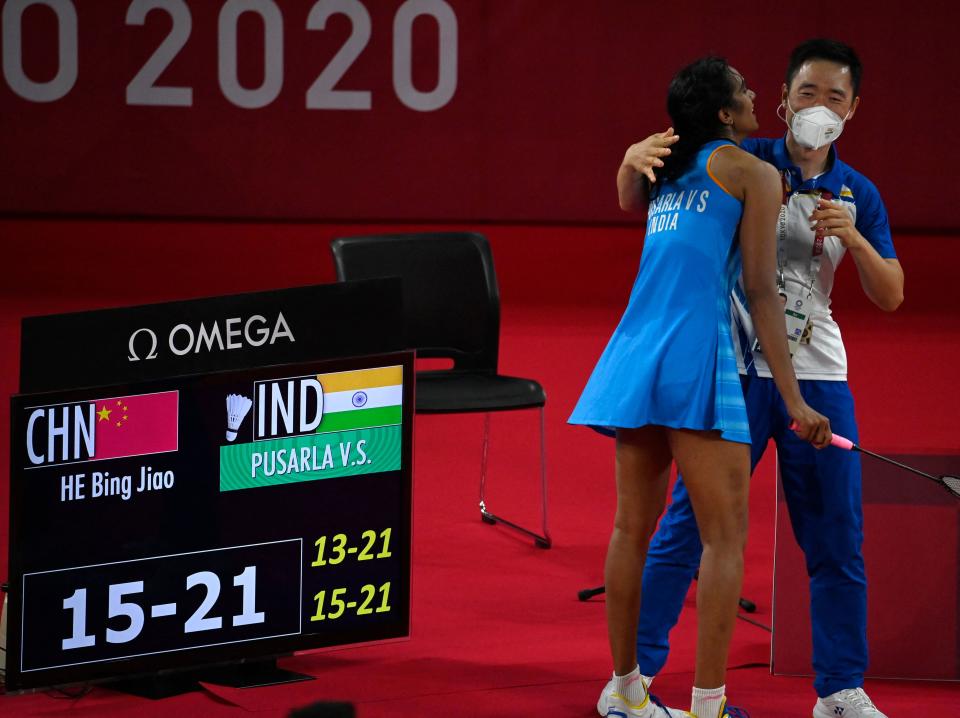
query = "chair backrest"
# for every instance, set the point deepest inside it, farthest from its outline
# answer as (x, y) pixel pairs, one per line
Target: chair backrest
(450, 294)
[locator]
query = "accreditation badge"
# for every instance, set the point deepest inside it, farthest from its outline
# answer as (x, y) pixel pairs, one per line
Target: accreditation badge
(796, 315)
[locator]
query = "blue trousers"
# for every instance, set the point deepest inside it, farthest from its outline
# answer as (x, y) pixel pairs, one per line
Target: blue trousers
(822, 490)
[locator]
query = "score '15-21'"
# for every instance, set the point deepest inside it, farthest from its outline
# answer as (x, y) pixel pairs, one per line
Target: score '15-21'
(338, 606)
(136, 615)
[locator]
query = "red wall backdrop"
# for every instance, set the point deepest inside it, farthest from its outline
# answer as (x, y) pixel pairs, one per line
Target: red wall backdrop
(521, 109)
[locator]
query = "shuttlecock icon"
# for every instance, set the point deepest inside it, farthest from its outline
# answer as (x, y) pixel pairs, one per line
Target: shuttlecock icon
(237, 408)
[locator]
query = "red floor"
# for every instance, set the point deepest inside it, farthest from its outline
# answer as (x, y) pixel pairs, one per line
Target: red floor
(497, 628)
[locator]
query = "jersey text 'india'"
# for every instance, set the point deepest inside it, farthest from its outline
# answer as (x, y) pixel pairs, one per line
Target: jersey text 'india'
(665, 210)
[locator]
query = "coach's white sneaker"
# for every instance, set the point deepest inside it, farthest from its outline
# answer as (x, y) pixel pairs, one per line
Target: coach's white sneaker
(849, 703)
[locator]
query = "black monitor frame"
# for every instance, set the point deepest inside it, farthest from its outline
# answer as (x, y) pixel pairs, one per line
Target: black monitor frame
(374, 306)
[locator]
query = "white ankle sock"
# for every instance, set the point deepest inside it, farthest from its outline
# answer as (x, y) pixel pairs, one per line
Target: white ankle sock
(647, 680)
(707, 702)
(631, 686)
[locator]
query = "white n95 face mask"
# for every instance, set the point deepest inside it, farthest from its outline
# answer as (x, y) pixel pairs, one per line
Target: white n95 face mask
(814, 127)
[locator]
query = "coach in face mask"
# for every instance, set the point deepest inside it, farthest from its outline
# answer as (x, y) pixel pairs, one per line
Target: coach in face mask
(829, 209)
(817, 125)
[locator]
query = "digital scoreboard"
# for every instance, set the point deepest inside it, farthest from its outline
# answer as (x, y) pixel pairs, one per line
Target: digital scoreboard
(209, 518)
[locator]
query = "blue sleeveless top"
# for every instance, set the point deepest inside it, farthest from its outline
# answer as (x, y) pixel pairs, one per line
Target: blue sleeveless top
(670, 361)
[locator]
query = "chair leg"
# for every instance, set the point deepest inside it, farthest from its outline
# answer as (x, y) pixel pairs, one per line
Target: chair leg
(483, 469)
(541, 541)
(543, 479)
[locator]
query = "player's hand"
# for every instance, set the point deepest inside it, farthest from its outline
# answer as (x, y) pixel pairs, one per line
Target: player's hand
(832, 219)
(645, 156)
(811, 425)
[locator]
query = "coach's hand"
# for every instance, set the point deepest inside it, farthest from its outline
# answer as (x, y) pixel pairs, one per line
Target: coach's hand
(645, 156)
(832, 219)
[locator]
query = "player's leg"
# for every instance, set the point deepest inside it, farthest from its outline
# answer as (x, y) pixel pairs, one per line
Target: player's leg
(674, 554)
(672, 561)
(642, 470)
(717, 477)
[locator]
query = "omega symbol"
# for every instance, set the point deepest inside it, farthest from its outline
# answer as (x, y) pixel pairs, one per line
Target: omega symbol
(152, 354)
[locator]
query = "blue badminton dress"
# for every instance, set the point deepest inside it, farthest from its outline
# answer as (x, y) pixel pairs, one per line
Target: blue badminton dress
(670, 361)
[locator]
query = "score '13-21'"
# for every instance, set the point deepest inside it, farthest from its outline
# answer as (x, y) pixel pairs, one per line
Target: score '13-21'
(339, 550)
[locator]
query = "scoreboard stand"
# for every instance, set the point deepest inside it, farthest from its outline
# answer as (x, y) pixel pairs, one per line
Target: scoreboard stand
(249, 674)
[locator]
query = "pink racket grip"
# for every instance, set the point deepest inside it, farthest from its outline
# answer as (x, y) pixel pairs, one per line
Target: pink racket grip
(840, 442)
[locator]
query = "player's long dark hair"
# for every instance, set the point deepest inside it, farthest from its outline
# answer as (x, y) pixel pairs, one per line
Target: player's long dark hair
(697, 94)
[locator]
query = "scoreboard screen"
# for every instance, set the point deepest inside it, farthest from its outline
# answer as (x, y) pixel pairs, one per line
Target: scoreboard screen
(210, 518)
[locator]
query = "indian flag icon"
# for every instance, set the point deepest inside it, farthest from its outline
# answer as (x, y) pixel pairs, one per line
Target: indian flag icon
(361, 399)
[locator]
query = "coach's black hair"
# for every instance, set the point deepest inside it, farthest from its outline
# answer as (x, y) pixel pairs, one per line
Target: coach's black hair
(822, 48)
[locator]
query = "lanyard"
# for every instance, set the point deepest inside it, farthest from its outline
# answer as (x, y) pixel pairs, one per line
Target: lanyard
(816, 254)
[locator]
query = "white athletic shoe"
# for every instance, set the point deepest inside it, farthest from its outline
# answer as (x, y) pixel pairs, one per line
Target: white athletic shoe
(615, 706)
(605, 698)
(849, 703)
(618, 707)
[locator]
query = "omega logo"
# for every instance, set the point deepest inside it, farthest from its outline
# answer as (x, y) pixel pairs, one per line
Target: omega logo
(152, 354)
(235, 334)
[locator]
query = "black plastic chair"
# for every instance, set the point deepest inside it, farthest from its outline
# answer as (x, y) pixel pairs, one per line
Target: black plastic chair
(451, 310)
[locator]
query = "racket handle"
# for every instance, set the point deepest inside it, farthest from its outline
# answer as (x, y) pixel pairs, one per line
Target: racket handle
(841, 442)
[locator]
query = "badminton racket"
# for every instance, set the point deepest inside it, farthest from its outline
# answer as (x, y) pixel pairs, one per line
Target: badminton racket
(949, 482)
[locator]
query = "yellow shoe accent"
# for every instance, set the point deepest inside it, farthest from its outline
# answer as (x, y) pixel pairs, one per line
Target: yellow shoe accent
(633, 706)
(723, 709)
(620, 706)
